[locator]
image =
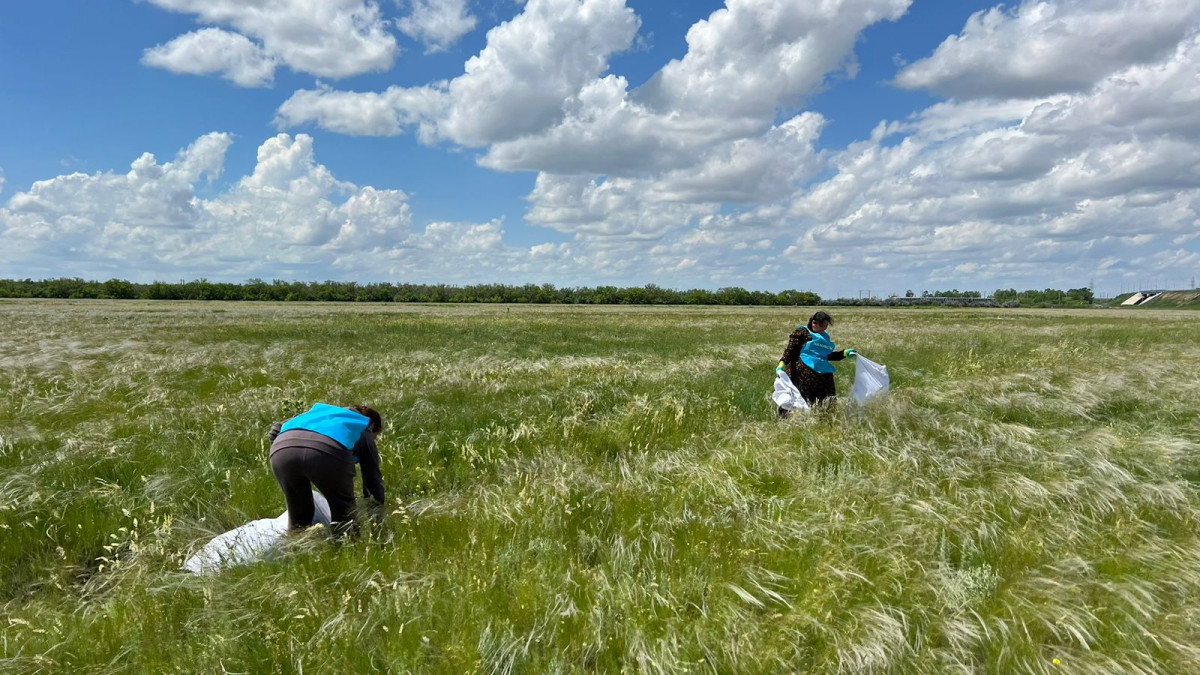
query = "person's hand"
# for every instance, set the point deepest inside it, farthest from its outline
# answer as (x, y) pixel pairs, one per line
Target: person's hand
(850, 353)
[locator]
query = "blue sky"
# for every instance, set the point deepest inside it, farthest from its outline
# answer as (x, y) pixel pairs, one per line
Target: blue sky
(836, 146)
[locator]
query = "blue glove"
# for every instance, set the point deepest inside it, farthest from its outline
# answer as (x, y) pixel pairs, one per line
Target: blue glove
(850, 353)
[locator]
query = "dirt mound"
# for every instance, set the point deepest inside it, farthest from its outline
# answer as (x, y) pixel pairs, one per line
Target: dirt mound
(1175, 299)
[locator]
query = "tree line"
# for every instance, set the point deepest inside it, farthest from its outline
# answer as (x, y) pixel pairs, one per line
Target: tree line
(350, 291)
(650, 294)
(1050, 297)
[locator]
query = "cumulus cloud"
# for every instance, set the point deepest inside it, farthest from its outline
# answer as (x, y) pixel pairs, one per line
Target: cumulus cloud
(1071, 184)
(79, 216)
(364, 113)
(537, 97)
(710, 174)
(289, 218)
(659, 162)
(215, 51)
(1146, 100)
(604, 133)
(752, 170)
(1045, 47)
(700, 133)
(151, 220)
(516, 85)
(438, 24)
(327, 38)
(1097, 185)
(757, 55)
(743, 65)
(597, 208)
(759, 169)
(518, 82)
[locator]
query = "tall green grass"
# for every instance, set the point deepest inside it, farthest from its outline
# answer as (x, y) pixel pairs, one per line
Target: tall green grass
(603, 489)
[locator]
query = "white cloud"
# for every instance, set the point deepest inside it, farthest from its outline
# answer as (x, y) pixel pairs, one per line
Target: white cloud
(289, 218)
(438, 24)
(1051, 191)
(531, 64)
(80, 217)
(752, 170)
(744, 63)
(327, 38)
(150, 220)
(516, 85)
(365, 113)
(618, 169)
(1048, 47)
(756, 55)
(148, 195)
(1055, 195)
(707, 175)
(1173, 260)
(593, 208)
(214, 51)
(605, 133)
(1145, 100)
(701, 131)
(740, 171)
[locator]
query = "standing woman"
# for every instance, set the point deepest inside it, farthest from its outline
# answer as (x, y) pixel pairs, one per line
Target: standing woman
(806, 360)
(321, 447)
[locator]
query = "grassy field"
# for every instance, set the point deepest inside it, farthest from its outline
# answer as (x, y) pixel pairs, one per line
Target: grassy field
(604, 489)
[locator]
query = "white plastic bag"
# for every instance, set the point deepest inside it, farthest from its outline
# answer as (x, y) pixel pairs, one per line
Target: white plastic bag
(870, 378)
(250, 542)
(786, 395)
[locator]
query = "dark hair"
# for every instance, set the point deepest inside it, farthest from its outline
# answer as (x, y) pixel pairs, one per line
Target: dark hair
(376, 424)
(821, 316)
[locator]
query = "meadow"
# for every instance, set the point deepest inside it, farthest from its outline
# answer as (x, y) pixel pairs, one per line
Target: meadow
(600, 489)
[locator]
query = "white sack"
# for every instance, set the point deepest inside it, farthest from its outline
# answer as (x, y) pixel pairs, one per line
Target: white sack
(250, 542)
(786, 395)
(870, 378)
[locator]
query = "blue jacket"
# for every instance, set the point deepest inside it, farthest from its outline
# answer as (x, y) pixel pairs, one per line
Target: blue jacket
(340, 424)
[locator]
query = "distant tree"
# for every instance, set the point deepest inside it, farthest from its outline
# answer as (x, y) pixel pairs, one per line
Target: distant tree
(1005, 295)
(118, 289)
(1082, 296)
(795, 298)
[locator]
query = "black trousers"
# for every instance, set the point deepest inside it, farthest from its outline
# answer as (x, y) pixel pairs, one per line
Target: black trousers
(814, 387)
(298, 469)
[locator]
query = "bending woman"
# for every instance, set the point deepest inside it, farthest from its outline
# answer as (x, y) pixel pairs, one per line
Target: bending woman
(806, 360)
(321, 447)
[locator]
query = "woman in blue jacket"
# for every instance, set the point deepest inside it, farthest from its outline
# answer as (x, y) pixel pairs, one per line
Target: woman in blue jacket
(320, 447)
(806, 360)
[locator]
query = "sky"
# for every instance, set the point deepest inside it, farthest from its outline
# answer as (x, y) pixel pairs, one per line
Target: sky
(848, 147)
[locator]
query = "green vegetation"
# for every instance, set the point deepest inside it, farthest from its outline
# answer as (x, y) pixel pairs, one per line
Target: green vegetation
(349, 291)
(591, 489)
(1050, 297)
(650, 294)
